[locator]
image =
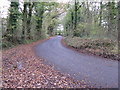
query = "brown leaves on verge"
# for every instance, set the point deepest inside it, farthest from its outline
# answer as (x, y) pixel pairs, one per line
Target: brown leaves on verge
(102, 47)
(21, 68)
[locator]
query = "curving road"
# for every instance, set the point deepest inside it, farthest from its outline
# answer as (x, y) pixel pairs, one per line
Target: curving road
(94, 70)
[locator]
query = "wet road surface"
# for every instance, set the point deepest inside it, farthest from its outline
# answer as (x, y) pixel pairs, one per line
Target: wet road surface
(94, 70)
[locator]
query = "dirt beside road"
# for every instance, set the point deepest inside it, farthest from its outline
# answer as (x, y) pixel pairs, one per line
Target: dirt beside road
(95, 71)
(21, 68)
(97, 49)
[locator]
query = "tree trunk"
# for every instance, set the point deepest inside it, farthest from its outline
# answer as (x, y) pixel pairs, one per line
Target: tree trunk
(119, 27)
(109, 18)
(75, 18)
(75, 25)
(100, 14)
(24, 22)
(12, 22)
(29, 20)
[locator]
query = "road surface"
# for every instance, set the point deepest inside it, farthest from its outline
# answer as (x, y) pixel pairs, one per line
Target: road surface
(94, 70)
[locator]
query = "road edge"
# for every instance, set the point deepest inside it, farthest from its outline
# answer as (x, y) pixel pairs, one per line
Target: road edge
(83, 51)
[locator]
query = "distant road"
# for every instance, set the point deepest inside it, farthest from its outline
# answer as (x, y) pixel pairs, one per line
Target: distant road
(95, 70)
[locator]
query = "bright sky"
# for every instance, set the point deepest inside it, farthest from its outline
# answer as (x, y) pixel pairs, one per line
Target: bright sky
(4, 5)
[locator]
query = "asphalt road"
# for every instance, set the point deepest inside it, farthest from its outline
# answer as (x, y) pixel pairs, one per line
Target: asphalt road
(94, 70)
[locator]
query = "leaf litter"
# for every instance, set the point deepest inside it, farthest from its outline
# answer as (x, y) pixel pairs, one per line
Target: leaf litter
(21, 68)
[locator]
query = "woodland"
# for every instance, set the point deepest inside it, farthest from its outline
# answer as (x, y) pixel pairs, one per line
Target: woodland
(96, 24)
(87, 27)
